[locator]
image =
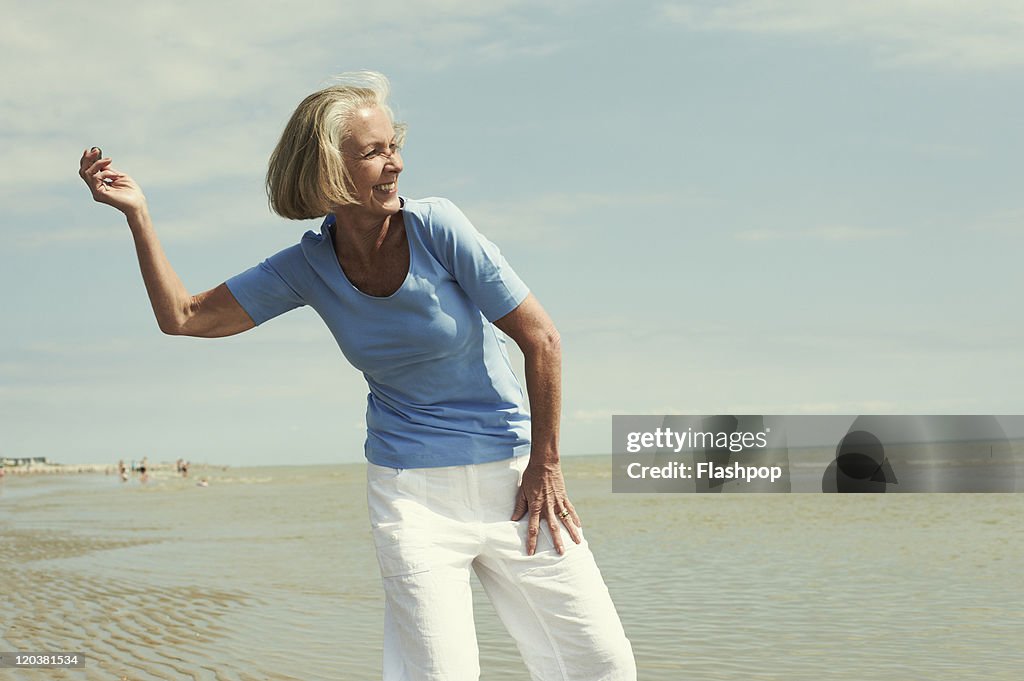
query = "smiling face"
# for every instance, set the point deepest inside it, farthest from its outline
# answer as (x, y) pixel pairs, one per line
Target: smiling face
(373, 162)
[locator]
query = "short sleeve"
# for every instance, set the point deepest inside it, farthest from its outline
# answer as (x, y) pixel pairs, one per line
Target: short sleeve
(474, 262)
(262, 291)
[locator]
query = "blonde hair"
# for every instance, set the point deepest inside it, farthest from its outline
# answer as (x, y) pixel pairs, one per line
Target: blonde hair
(306, 175)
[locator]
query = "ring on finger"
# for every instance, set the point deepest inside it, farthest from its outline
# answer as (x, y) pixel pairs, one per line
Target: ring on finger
(563, 515)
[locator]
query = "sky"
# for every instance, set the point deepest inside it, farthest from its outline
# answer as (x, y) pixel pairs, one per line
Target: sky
(761, 206)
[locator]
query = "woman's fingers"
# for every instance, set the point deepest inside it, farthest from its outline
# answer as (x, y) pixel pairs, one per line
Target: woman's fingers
(83, 165)
(107, 184)
(96, 180)
(556, 534)
(571, 521)
(543, 494)
(99, 165)
(521, 506)
(89, 156)
(554, 518)
(90, 168)
(99, 174)
(568, 507)
(106, 178)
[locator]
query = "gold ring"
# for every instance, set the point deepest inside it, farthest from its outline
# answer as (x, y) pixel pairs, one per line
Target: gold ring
(563, 514)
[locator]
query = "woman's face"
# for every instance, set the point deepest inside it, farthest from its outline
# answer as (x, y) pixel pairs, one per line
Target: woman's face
(373, 161)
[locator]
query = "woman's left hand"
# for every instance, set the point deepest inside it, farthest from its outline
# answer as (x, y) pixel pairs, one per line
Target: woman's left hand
(543, 495)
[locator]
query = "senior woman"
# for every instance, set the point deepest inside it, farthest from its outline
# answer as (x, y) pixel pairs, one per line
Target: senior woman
(460, 477)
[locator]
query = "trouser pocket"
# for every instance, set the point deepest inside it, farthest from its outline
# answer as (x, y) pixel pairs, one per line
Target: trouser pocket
(399, 553)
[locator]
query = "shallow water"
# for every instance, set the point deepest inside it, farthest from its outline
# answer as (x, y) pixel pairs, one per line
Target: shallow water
(269, 573)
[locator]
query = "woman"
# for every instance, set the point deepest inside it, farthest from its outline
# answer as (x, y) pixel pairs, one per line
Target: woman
(459, 476)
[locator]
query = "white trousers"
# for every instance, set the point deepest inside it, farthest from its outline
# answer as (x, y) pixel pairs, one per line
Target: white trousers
(431, 527)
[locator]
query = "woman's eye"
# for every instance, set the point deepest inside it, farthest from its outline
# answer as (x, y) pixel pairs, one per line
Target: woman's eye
(369, 156)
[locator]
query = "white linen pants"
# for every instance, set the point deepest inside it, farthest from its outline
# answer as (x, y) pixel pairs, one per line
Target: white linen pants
(432, 526)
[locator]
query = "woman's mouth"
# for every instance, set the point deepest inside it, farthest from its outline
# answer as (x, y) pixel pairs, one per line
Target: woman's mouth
(386, 188)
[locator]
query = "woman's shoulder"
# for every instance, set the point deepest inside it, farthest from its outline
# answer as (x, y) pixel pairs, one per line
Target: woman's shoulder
(429, 209)
(299, 259)
(437, 217)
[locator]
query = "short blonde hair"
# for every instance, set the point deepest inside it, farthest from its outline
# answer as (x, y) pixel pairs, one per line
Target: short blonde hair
(306, 176)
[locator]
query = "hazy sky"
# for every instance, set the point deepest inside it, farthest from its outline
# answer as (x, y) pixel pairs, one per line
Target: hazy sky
(774, 206)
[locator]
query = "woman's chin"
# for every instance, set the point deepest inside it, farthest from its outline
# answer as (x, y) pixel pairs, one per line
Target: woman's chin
(390, 205)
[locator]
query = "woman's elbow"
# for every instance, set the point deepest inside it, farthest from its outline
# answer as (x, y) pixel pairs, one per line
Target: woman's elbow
(171, 328)
(553, 341)
(545, 343)
(179, 322)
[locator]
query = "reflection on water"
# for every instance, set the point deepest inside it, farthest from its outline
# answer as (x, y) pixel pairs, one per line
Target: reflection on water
(269, 573)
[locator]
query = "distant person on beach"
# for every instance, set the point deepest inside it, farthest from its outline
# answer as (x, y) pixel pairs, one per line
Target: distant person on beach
(460, 477)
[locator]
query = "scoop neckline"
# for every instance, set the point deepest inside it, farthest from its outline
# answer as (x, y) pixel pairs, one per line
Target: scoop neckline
(331, 234)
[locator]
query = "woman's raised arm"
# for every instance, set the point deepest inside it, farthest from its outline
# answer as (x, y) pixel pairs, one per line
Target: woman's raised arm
(210, 314)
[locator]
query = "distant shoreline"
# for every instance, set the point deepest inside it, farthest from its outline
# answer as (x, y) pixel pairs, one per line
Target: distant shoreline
(95, 468)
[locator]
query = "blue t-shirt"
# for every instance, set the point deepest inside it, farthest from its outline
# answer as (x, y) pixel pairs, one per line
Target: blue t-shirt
(442, 390)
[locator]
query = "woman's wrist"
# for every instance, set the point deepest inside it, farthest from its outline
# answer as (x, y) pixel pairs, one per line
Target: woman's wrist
(137, 216)
(547, 458)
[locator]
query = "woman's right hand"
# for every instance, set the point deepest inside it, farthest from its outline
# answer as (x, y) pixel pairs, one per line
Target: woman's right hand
(108, 185)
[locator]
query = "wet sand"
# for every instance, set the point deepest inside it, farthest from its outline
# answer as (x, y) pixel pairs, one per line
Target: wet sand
(269, 574)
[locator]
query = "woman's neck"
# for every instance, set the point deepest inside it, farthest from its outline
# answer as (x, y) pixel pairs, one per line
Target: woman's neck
(362, 237)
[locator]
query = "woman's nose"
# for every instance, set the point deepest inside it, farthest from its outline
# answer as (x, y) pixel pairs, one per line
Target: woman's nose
(395, 161)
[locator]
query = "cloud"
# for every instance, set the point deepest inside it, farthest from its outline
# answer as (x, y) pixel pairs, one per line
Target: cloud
(1008, 222)
(947, 34)
(205, 87)
(549, 218)
(945, 151)
(867, 406)
(854, 407)
(558, 219)
(604, 415)
(824, 233)
(189, 98)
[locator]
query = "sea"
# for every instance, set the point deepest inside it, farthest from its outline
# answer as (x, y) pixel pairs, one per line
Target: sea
(268, 573)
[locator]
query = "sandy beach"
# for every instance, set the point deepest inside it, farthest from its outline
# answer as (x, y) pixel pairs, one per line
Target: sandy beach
(269, 573)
